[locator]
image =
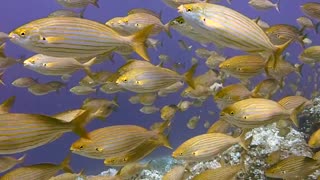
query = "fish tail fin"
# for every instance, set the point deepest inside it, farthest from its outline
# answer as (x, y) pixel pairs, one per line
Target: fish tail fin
(189, 76)
(2, 46)
(298, 69)
(87, 66)
(65, 164)
(95, 3)
(138, 41)
(257, 19)
(242, 139)
(277, 6)
(8, 103)
(78, 124)
(167, 29)
(281, 48)
(164, 139)
(1, 76)
(294, 113)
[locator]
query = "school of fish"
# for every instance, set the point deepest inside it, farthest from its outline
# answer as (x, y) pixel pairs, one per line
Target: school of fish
(241, 86)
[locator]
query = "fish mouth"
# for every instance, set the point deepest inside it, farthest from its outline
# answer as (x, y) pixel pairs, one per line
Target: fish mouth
(13, 36)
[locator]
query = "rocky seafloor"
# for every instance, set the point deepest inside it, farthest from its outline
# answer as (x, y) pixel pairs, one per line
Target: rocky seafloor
(265, 140)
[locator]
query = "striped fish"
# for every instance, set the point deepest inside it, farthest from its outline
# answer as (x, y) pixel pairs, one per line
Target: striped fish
(310, 55)
(55, 66)
(22, 132)
(311, 9)
(176, 173)
(77, 3)
(282, 33)
(243, 67)
(222, 173)
(137, 21)
(228, 28)
(293, 167)
(8, 162)
(204, 147)
(255, 112)
(314, 141)
(76, 37)
(220, 126)
(41, 171)
(114, 140)
(152, 79)
(266, 88)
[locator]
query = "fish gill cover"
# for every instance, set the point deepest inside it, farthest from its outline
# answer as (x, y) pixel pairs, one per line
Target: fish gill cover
(190, 89)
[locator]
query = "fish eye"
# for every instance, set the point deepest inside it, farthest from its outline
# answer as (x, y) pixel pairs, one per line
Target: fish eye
(283, 171)
(81, 147)
(44, 64)
(137, 24)
(125, 80)
(244, 117)
(22, 33)
(204, 19)
(43, 38)
(181, 154)
(32, 61)
(232, 113)
(97, 149)
(189, 9)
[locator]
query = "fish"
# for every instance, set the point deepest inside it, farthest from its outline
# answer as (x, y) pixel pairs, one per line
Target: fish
(223, 173)
(38, 171)
(116, 140)
(273, 157)
(200, 92)
(292, 102)
(22, 132)
(231, 94)
(282, 69)
(220, 126)
(54, 66)
(214, 60)
(264, 4)
(60, 37)
(316, 156)
(305, 22)
(137, 21)
(77, 3)
(247, 113)
(203, 52)
(132, 169)
(66, 13)
(185, 29)
(310, 55)
(7, 104)
(266, 88)
(243, 67)
(24, 82)
(205, 146)
(149, 109)
(82, 90)
(281, 33)
(217, 23)
(167, 112)
(184, 105)
(56, 85)
(193, 122)
(311, 9)
(293, 167)
(147, 99)
(314, 141)
(134, 99)
(152, 79)
(177, 172)
(40, 89)
(99, 107)
(8, 162)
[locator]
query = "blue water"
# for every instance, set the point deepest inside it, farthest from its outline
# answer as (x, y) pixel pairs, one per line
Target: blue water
(14, 13)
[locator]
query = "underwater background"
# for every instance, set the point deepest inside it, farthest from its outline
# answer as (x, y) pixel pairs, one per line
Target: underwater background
(14, 13)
